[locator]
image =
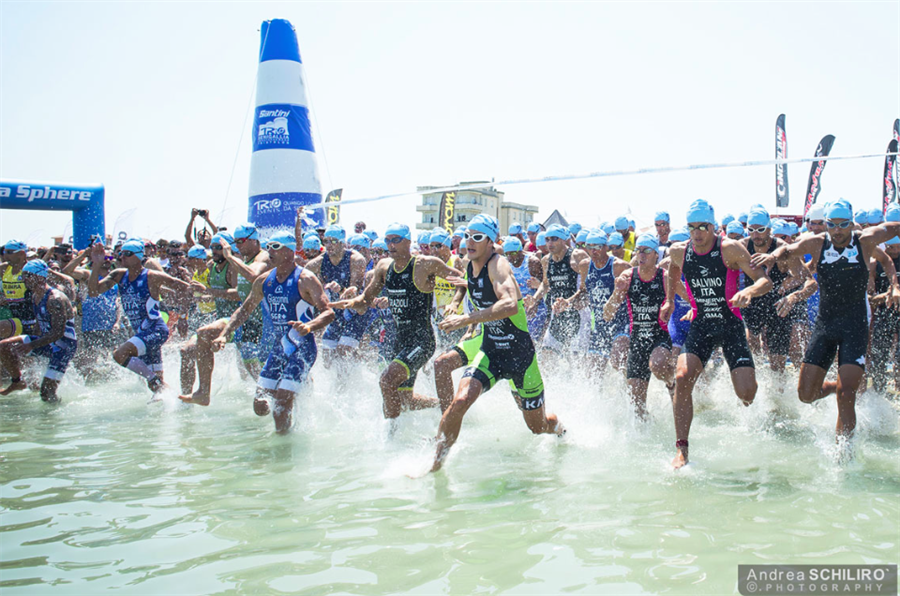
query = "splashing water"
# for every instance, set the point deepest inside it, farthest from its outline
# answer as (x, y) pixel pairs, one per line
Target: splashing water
(104, 491)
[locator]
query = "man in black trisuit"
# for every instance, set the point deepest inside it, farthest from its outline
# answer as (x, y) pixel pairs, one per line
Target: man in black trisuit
(507, 351)
(885, 323)
(711, 266)
(408, 282)
(771, 317)
(560, 286)
(841, 329)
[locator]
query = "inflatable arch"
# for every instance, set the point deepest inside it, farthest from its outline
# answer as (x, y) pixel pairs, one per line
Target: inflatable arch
(86, 202)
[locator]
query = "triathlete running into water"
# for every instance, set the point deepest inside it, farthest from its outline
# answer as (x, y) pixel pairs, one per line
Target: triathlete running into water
(711, 265)
(507, 351)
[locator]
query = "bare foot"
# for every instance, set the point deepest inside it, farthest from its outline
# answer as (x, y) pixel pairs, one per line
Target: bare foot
(261, 406)
(555, 425)
(681, 459)
(18, 386)
(201, 398)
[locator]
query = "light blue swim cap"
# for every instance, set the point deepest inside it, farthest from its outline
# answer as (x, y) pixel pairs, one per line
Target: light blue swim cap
(224, 237)
(596, 237)
(440, 235)
(735, 227)
(557, 231)
(358, 241)
(615, 239)
(512, 244)
(875, 217)
(134, 245)
(336, 231)
(757, 217)
(197, 252)
(486, 225)
(284, 238)
(36, 267)
(701, 212)
(246, 231)
(398, 229)
(839, 209)
(680, 235)
(312, 243)
(647, 241)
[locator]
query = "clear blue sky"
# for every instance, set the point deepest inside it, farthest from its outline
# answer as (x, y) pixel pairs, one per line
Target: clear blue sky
(150, 100)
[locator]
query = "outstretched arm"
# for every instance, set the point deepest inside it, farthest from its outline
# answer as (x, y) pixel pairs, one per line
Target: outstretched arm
(737, 257)
(240, 316)
(95, 285)
(59, 307)
(313, 292)
(362, 302)
(507, 304)
(618, 296)
(188, 233)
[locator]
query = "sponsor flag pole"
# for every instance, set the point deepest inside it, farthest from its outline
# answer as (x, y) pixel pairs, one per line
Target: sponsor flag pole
(447, 211)
(896, 161)
(814, 185)
(333, 211)
(889, 184)
(782, 197)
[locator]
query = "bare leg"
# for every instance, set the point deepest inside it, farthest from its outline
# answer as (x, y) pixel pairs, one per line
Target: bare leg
(539, 422)
(744, 380)
(686, 374)
(596, 365)
(662, 364)
(448, 431)
(799, 339)
(618, 355)
(812, 385)
(48, 390)
(410, 400)
(188, 372)
(637, 392)
(261, 401)
(777, 362)
(391, 379)
(755, 343)
(206, 361)
(7, 328)
(10, 362)
(444, 365)
(849, 377)
(283, 411)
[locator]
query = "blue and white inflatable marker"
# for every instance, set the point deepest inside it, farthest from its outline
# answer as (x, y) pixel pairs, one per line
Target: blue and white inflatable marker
(283, 170)
(86, 202)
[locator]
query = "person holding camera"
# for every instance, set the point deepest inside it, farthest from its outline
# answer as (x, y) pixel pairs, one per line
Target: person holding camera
(201, 236)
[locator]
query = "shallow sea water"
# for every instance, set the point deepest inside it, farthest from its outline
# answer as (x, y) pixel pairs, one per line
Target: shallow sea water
(107, 492)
